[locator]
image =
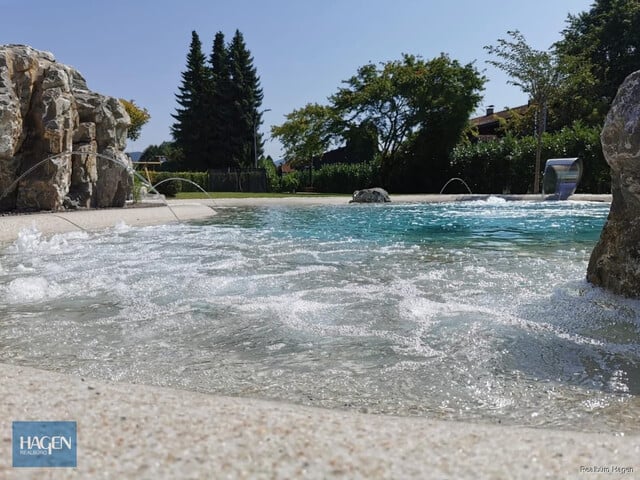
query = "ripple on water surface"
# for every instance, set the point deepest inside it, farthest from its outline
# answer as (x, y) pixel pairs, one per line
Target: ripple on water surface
(474, 311)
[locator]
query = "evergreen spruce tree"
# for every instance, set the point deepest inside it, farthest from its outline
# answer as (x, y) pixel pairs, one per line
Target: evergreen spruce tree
(190, 129)
(245, 99)
(220, 105)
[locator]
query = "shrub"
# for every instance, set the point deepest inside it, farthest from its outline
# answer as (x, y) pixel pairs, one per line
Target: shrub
(290, 182)
(345, 177)
(507, 164)
(273, 180)
(172, 188)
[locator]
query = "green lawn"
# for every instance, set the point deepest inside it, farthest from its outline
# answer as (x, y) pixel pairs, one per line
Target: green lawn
(193, 195)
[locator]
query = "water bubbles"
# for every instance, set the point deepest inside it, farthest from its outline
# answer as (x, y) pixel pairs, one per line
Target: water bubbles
(30, 241)
(276, 346)
(121, 227)
(492, 200)
(618, 381)
(29, 289)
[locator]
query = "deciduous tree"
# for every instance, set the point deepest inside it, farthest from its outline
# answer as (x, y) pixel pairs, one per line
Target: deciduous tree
(536, 73)
(139, 117)
(307, 133)
(599, 49)
(419, 109)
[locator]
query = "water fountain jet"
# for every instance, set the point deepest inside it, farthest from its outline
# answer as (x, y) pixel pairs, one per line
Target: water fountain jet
(115, 161)
(453, 180)
(188, 181)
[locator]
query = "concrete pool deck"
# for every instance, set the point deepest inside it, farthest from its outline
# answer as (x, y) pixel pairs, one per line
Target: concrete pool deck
(137, 431)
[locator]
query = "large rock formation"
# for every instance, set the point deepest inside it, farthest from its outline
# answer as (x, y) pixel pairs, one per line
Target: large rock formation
(615, 261)
(47, 109)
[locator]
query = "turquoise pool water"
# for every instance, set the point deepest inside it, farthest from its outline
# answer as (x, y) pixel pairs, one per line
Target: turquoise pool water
(471, 311)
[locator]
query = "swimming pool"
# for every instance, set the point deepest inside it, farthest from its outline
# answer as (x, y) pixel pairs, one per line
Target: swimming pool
(468, 311)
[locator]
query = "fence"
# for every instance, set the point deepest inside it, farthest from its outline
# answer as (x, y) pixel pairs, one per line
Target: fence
(251, 180)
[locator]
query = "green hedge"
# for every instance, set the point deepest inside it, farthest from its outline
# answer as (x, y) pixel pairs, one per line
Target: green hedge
(172, 188)
(345, 177)
(273, 179)
(290, 182)
(507, 165)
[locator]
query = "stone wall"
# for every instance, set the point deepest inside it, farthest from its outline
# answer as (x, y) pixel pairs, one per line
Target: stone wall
(47, 109)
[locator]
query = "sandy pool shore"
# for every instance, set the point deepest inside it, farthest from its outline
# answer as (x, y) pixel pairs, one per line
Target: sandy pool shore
(62, 222)
(132, 431)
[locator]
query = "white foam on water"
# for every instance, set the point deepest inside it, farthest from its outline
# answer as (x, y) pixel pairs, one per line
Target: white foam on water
(27, 238)
(30, 289)
(23, 269)
(30, 240)
(493, 200)
(619, 381)
(121, 227)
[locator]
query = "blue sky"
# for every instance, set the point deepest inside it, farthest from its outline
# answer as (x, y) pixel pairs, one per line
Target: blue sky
(303, 49)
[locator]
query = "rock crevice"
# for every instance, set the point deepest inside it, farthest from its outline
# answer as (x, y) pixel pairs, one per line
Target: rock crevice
(46, 109)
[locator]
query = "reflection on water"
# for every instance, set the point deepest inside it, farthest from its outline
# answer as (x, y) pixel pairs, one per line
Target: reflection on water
(474, 311)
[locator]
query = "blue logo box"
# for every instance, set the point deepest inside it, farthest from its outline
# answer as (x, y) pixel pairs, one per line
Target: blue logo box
(45, 444)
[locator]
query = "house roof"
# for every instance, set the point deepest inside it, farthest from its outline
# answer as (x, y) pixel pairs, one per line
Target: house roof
(287, 168)
(494, 117)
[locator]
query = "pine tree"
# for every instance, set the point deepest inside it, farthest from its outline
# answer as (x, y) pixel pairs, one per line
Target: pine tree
(220, 105)
(245, 100)
(189, 131)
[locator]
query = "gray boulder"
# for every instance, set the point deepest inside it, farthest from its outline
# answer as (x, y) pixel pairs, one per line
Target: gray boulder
(370, 195)
(47, 109)
(615, 261)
